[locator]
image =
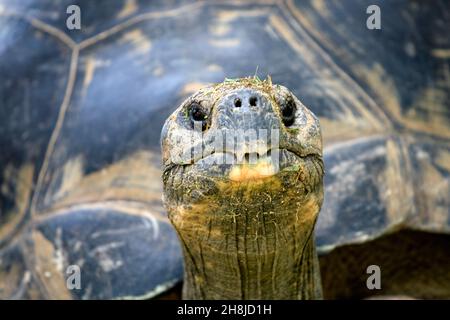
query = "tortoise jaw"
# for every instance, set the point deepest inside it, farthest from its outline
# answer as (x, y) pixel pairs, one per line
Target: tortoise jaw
(251, 166)
(193, 183)
(229, 166)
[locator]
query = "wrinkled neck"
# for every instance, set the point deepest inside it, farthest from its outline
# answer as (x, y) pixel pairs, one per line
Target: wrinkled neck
(250, 256)
(276, 275)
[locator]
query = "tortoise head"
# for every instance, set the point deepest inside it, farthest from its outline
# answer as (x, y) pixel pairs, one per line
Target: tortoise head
(242, 167)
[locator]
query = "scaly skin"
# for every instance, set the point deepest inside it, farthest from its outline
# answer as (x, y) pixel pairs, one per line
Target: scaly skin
(246, 228)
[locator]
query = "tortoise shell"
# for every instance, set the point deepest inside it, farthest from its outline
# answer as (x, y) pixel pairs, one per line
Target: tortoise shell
(82, 110)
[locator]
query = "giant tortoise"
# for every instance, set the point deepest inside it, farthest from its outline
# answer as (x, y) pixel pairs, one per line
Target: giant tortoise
(82, 111)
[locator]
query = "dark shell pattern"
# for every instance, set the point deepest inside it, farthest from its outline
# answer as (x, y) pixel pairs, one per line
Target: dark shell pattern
(81, 113)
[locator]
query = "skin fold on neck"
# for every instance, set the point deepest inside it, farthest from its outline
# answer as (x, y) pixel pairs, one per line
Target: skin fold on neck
(250, 241)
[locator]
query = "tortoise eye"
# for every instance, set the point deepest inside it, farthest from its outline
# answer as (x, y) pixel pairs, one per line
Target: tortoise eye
(197, 114)
(288, 112)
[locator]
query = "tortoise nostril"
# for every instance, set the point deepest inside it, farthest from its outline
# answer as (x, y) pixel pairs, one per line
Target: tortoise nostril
(237, 103)
(253, 100)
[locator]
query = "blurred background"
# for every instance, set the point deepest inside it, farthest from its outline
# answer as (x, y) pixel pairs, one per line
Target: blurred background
(85, 87)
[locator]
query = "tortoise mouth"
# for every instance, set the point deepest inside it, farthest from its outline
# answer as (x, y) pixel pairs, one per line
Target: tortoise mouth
(192, 183)
(234, 166)
(245, 166)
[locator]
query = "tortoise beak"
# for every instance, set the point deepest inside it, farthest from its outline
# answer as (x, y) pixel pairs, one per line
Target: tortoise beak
(245, 172)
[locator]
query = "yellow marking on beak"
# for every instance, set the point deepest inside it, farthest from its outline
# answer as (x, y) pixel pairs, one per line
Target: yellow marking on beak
(244, 172)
